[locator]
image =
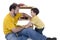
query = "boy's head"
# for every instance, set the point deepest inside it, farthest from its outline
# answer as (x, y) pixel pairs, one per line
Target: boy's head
(34, 11)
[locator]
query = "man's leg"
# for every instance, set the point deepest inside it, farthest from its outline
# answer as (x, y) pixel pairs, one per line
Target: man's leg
(29, 32)
(12, 36)
(22, 37)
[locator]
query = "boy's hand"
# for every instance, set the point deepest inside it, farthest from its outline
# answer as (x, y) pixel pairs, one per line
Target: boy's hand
(28, 25)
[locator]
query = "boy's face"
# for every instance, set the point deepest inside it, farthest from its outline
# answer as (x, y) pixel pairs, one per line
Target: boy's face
(32, 13)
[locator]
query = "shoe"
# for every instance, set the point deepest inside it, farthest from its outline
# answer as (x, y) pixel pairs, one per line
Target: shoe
(54, 38)
(49, 39)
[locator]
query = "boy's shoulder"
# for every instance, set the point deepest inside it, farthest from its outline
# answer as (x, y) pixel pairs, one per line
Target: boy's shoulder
(34, 18)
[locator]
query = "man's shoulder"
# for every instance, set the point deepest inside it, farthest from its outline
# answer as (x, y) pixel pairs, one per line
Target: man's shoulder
(7, 17)
(19, 14)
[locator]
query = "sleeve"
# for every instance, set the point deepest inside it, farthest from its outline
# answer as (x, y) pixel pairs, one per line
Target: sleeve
(37, 22)
(33, 21)
(20, 15)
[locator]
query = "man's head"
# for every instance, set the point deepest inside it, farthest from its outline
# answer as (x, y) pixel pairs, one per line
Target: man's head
(14, 8)
(34, 11)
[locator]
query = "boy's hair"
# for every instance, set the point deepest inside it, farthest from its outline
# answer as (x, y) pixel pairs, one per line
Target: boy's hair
(35, 10)
(13, 6)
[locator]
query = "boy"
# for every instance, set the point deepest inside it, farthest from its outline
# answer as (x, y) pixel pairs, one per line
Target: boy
(37, 22)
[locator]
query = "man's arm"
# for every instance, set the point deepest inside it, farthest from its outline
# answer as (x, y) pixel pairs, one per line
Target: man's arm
(17, 29)
(25, 17)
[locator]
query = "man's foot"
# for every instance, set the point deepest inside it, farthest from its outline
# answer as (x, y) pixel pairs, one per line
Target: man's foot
(51, 39)
(54, 38)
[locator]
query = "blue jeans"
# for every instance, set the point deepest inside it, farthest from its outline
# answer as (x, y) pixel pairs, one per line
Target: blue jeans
(12, 36)
(30, 33)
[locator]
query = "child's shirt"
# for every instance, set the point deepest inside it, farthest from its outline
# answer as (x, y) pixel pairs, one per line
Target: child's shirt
(37, 22)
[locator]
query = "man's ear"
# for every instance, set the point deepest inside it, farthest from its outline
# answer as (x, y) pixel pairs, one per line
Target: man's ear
(12, 10)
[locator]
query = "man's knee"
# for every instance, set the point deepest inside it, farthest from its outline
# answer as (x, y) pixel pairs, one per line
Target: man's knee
(11, 37)
(28, 29)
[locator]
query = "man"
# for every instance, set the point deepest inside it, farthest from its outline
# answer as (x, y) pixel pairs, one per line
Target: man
(10, 21)
(11, 29)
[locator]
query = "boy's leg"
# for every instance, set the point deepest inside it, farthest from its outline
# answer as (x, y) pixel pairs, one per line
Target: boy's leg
(39, 30)
(29, 32)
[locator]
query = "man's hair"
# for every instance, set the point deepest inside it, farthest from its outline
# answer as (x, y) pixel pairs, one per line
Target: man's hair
(35, 10)
(13, 6)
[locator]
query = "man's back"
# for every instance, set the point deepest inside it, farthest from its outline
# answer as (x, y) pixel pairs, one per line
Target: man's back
(10, 22)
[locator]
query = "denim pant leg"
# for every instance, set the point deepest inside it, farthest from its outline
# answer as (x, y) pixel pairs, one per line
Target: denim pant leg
(23, 37)
(29, 32)
(12, 36)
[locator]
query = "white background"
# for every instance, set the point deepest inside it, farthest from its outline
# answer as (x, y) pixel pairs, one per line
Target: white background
(49, 14)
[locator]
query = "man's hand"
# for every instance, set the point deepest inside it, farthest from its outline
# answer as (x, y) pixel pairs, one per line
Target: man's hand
(18, 25)
(25, 17)
(21, 26)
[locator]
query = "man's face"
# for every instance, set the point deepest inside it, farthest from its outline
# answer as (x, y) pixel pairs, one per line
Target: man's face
(16, 10)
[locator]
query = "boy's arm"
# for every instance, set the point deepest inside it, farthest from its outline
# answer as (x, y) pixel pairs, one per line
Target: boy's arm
(28, 25)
